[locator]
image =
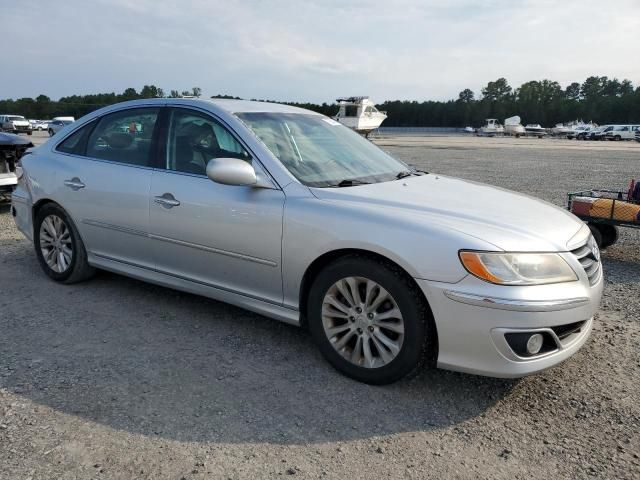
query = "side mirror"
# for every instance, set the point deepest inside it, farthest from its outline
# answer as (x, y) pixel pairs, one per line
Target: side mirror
(231, 171)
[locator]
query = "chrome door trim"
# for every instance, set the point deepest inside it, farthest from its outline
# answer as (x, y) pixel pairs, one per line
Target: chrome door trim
(516, 305)
(117, 228)
(131, 231)
(227, 253)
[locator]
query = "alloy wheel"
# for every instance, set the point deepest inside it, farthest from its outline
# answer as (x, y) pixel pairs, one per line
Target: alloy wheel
(55, 243)
(363, 322)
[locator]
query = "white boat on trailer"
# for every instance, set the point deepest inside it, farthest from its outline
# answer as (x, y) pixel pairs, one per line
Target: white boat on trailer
(535, 130)
(360, 114)
(491, 128)
(512, 126)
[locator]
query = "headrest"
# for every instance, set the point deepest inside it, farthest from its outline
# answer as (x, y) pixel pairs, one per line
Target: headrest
(119, 140)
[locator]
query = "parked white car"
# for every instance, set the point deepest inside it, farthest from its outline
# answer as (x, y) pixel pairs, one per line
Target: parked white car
(622, 132)
(15, 124)
(288, 213)
(58, 123)
(39, 125)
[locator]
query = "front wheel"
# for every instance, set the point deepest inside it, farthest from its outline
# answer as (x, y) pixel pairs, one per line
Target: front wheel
(370, 321)
(50, 133)
(58, 245)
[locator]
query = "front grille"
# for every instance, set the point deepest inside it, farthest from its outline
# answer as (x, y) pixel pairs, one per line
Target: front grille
(589, 257)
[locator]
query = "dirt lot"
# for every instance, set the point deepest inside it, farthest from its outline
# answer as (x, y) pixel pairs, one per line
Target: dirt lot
(115, 378)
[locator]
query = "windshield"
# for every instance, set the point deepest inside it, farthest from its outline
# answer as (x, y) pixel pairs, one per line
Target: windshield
(321, 152)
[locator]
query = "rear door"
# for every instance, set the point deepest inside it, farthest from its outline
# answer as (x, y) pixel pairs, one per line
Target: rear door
(223, 236)
(107, 169)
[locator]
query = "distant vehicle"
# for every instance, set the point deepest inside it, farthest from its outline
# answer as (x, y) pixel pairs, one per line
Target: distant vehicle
(637, 135)
(598, 133)
(535, 130)
(360, 114)
(583, 134)
(491, 128)
(578, 130)
(469, 130)
(290, 214)
(562, 129)
(622, 132)
(512, 126)
(15, 124)
(58, 124)
(569, 129)
(12, 147)
(39, 125)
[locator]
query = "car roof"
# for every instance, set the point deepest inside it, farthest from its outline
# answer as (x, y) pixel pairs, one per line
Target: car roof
(241, 106)
(216, 104)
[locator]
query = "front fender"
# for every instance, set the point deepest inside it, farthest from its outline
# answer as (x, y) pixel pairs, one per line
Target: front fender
(314, 227)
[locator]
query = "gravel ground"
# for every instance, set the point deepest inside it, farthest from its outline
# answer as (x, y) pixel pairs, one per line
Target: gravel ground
(115, 378)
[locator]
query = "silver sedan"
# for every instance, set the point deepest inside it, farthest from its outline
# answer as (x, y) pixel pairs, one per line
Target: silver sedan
(286, 212)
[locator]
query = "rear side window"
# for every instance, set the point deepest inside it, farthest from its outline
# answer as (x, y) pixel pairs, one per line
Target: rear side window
(77, 141)
(124, 137)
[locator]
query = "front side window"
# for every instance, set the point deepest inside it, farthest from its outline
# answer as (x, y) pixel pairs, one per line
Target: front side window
(321, 152)
(124, 136)
(196, 138)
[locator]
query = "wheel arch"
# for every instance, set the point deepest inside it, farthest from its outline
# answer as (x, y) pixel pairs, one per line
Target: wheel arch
(47, 201)
(326, 258)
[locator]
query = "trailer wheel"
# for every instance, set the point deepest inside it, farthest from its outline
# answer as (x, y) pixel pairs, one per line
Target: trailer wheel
(609, 235)
(597, 236)
(604, 235)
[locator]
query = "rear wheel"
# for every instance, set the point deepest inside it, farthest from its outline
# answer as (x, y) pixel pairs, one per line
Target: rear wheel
(59, 247)
(50, 133)
(370, 321)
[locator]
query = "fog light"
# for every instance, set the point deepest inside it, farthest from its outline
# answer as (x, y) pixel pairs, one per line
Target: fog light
(534, 344)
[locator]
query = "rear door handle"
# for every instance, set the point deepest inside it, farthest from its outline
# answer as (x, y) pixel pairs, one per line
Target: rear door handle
(74, 183)
(167, 201)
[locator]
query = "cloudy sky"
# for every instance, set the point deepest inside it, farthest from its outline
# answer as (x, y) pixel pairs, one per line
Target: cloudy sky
(312, 50)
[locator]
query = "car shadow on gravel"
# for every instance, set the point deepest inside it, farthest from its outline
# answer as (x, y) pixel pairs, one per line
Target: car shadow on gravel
(152, 361)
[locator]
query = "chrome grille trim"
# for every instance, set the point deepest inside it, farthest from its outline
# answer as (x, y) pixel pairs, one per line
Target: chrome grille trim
(589, 259)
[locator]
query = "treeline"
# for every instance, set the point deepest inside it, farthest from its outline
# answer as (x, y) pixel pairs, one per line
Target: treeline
(598, 99)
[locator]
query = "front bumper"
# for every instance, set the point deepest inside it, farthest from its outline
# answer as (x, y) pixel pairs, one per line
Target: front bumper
(472, 318)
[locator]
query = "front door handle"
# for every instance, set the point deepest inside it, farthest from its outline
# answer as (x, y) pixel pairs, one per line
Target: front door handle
(167, 201)
(74, 183)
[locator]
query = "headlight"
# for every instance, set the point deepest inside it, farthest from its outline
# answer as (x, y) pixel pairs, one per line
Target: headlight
(518, 268)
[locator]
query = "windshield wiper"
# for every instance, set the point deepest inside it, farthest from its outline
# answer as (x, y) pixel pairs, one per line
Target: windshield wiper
(349, 182)
(403, 174)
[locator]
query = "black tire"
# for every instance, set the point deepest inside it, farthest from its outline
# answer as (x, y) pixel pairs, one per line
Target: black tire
(78, 269)
(50, 133)
(597, 236)
(608, 234)
(29, 132)
(419, 345)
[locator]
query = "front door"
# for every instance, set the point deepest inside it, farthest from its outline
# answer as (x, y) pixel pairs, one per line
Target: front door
(228, 237)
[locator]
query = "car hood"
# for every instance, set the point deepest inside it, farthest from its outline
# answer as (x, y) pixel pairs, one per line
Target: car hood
(510, 221)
